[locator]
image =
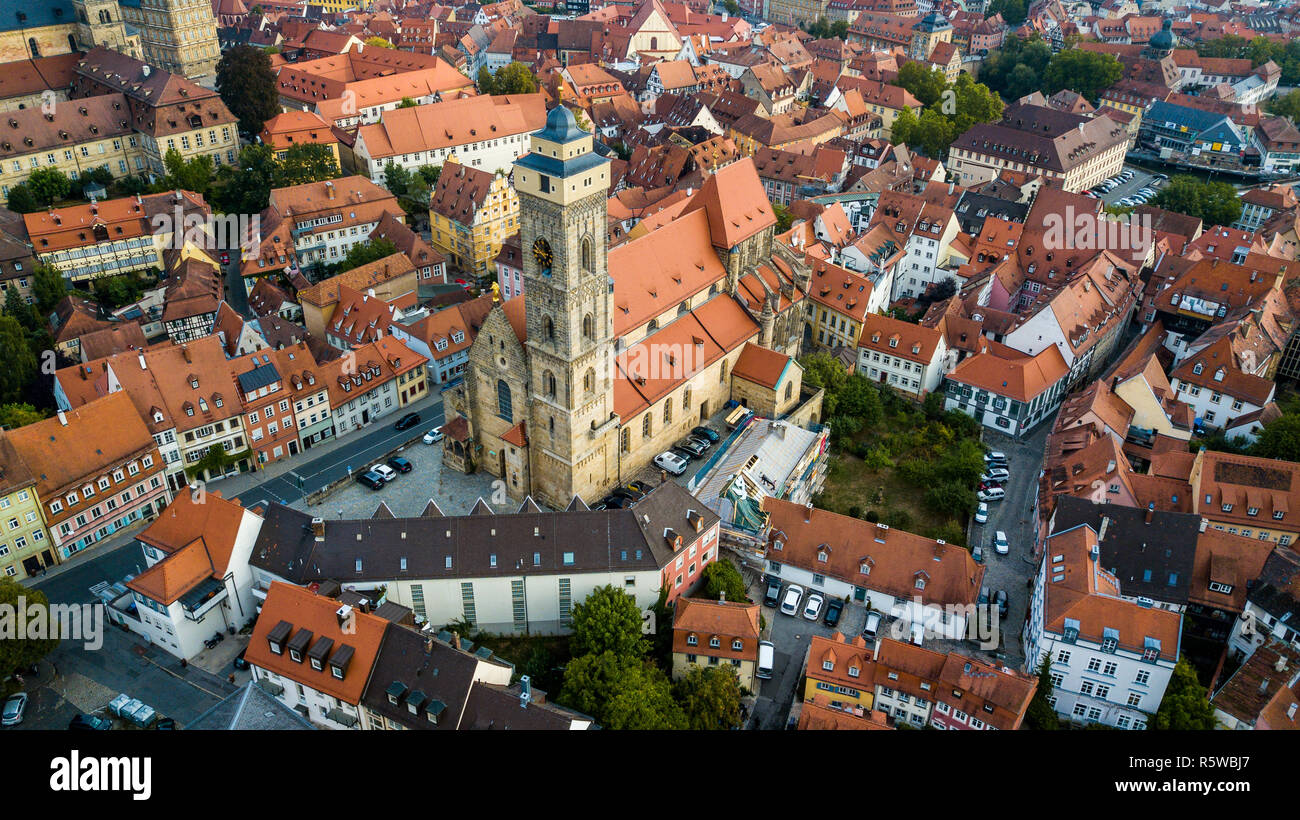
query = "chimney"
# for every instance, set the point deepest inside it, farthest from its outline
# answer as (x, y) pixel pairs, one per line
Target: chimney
(1205, 522)
(318, 527)
(525, 691)
(722, 599)
(1281, 663)
(1105, 523)
(343, 613)
(63, 419)
(1110, 467)
(807, 513)
(1151, 511)
(185, 351)
(329, 189)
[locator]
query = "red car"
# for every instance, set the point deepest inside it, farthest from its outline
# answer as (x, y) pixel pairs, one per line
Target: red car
(225, 258)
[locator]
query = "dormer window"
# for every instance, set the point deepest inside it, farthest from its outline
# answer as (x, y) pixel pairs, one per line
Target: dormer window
(920, 583)
(1252, 511)
(736, 645)
(1215, 586)
(714, 643)
(1109, 639)
(853, 671)
(692, 640)
(1277, 515)
(1198, 369)
(1227, 508)
(1219, 374)
(828, 665)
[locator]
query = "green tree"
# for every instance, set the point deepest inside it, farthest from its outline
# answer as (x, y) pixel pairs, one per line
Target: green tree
(722, 577)
(904, 127)
(379, 42)
(17, 652)
(1215, 203)
(305, 163)
(1280, 439)
(950, 498)
(860, 399)
(486, 83)
(1186, 704)
(620, 692)
(933, 134)
(513, 78)
(608, 620)
(193, 174)
(247, 189)
(363, 253)
(22, 200)
(1041, 715)
(397, 179)
(823, 370)
(18, 308)
(100, 175)
(925, 83)
(1087, 72)
(1015, 69)
(709, 697)
(731, 6)
(784, 219)
(20, 362)
(976, 102)
(407, 102)
(48, 185)
(246, 84)
(430, 174)
(48, 287)
(13, 416)
(1286, 105)
(1013, 11)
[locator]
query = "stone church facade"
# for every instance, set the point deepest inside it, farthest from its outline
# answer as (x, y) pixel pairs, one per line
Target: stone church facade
(575, 386)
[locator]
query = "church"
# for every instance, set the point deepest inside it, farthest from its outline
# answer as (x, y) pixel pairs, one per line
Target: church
(608, 358)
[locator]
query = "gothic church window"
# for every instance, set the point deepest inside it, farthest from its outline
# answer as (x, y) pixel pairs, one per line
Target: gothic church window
(504, 408)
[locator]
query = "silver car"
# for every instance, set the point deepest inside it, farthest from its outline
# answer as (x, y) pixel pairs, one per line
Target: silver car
(12, 714)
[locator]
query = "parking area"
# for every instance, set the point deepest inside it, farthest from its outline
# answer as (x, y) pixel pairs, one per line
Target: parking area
(409, 493)
(1141, 179)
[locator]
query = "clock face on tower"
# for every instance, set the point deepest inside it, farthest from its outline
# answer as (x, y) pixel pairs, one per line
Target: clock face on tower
(542, 253)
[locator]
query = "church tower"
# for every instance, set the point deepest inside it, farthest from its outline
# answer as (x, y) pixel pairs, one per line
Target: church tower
(563, 185)
(99, 23)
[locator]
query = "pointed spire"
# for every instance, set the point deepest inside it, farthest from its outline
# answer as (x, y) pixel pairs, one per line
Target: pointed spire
(577, 504)
(529, 505)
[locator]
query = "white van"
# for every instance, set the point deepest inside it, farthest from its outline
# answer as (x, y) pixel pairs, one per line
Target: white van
(766, 658)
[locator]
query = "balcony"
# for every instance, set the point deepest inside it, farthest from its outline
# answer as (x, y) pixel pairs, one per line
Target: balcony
(203, 598)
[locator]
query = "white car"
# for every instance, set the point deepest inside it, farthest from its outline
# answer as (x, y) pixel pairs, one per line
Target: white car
(982, 514)
(384, 471)
(1000, 544)
(992, 494)
(997, 456)
(995, 474)
(813, 609)
(671, 462)
(790, 603)
(433, 436)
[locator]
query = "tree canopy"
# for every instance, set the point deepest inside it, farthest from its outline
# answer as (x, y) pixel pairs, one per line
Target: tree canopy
(608, 620)
(1186, 704)
(246, 84)
(18, 652)
(1087, 72)
(1013, 11)
(1016, 68)
(953, 109)
(722, 577)
(1215, 203)
(709, 698)
(512, 78)
(1258, 50)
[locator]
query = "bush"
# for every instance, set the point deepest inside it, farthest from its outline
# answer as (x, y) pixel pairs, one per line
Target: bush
(951, 498)
(898, 519)
(876, 458)
(915, 471)
(843, 427)
(873, 516)
(949, 531)
(855, 511)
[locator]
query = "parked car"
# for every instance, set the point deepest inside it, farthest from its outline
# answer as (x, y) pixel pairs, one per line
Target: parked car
(225, 257)
(985, 597)
(1000, 598)
(706, 432)
(615, 502)
(165, 724)
(384, 471)
(640, 486)
(833, 610)
(872, 625)
(629, 491)
(996, 474)
(683, 453)
(433, 436)
(766, 660)
(671, 462)
(977, 552)
(1000, 543)
(408, 421)
(692, 446)
(992, 494)
(982, 513)
(994, 458)
(400, 464)
(12, 713)
(702, 441)
(793, 595)
(773, 596)
(813, 607)
(240, 663)
(92, 723)
(370, 479)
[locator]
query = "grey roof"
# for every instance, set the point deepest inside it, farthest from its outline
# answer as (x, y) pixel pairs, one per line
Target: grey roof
(1152, 560)
(1275, 589)
(16, 15)
(521, 543)
(498, 707)
(258, 377)
(250, 708)
(418, 662)
(561, 126)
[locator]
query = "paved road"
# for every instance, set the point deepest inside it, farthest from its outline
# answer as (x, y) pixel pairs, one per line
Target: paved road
(235, 294)
(355, 451)
(1013, 516)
